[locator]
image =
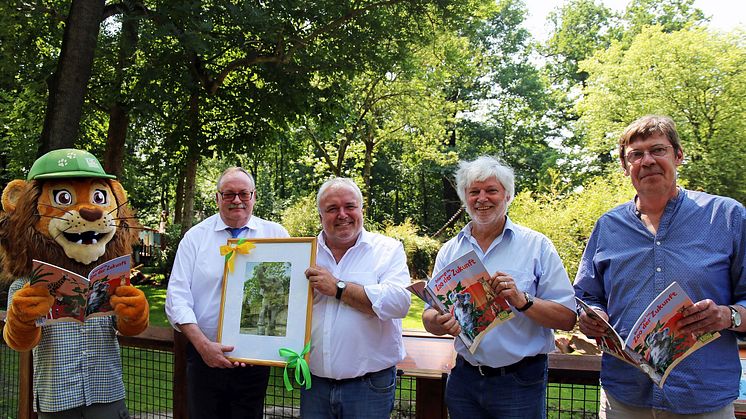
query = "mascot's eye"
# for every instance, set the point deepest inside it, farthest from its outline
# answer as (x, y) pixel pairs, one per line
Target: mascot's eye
(99, 197)
(62, 197)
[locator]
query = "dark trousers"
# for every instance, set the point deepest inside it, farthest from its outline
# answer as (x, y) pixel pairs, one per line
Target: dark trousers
(224, 392)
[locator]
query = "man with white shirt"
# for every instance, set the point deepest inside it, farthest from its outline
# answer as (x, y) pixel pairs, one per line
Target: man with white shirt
(359, 300)
(217, 388)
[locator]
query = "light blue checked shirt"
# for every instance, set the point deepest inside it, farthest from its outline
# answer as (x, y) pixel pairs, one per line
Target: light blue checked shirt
(701, 244)
(75, 364)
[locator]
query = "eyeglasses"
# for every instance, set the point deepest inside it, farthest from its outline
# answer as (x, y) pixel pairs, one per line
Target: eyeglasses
(243, 195)
(635, 156)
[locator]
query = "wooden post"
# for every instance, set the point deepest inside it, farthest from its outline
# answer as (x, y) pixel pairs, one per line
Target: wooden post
(431, 396)
(26, 386)
(180, 377)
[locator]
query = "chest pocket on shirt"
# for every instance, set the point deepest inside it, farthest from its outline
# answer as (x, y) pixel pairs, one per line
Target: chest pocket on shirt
(362, 278)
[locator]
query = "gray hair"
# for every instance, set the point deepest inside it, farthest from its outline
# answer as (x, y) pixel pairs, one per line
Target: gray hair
(235, 169)
(339, 183)
(482, 169)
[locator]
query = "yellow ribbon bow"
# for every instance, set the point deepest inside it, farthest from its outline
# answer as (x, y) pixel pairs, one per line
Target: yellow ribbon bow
(243, 247)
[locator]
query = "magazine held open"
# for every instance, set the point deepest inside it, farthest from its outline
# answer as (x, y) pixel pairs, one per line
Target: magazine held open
(76, 297)
(655, 344)
(461, 288)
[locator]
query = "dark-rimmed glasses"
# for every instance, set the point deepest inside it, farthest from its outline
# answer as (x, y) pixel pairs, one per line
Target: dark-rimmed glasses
(243, 195)
(636, 156)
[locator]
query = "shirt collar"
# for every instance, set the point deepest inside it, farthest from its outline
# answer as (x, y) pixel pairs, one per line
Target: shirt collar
(465, 232)
(221, 225)
(365, 238)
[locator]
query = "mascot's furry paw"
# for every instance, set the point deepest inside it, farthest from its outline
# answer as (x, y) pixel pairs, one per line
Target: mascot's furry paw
(29, 303)
(132, 310)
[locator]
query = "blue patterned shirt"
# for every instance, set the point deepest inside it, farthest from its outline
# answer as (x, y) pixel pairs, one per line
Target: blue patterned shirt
(75, 364)
(700, 243)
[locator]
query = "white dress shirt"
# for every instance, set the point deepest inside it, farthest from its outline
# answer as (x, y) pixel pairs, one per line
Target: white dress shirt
(531, 259)
(345, 342)
(195, 285)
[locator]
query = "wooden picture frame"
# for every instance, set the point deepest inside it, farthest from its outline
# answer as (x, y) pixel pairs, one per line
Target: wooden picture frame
(267, 301)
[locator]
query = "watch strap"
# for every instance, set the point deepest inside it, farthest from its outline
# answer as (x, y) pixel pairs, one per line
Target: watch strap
(529, 302)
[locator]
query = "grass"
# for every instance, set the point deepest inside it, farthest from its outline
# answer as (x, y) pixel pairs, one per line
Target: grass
(157, 298)
(413, 321)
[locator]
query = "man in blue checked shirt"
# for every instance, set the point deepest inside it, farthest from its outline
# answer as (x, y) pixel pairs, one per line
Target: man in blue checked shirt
(665, 234)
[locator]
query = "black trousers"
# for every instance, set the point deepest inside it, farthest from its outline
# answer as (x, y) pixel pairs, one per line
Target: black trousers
(224, 392)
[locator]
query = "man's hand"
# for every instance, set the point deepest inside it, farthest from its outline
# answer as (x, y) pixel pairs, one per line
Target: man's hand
(590, 325)
(504, 286)
(704, 317)
(213, 354)
(440, 324)
(322, 280)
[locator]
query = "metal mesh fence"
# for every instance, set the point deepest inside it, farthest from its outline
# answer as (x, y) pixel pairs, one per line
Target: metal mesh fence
(8, 382)
(148, 378)
(572, 401)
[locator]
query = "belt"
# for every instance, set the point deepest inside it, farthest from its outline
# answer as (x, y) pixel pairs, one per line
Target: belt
(358, 378)
(486, 371)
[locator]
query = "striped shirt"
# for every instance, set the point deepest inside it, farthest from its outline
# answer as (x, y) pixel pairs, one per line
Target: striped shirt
(75, 364)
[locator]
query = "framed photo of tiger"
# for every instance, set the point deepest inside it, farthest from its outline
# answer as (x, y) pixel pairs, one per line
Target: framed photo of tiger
(266, 300)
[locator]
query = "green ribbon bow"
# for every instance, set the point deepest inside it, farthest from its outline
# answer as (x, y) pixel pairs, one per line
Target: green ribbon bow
(302, 371)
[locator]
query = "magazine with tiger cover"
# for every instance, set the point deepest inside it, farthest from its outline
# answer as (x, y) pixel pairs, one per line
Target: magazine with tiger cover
(461, 288)
(655, 343)
(76, 297)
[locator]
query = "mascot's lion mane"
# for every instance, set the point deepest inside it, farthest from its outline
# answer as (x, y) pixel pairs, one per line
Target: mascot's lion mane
(21, 241)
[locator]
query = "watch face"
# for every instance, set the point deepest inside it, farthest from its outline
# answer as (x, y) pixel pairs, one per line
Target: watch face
(341, 284)
(735, 317)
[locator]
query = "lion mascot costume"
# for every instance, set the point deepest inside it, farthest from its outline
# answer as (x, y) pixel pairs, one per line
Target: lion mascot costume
(72, 214)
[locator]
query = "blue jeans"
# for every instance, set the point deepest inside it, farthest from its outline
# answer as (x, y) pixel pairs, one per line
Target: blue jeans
(368, 397)
(515, 395)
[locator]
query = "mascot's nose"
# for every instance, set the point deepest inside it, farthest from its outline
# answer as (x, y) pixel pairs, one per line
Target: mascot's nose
(89, 214)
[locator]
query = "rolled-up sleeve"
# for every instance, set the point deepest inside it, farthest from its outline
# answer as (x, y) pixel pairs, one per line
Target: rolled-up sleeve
(389, 297)
(179, 298)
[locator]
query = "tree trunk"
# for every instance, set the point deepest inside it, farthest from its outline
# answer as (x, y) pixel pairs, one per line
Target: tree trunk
(451, 201)
(118, 111)
(67, 86)
(179, 204)
(370, 143)
(192, 161)
(115, 140)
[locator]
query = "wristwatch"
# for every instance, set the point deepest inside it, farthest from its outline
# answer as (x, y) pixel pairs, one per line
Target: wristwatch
(735, 317)
(529, 302)
(341, 285)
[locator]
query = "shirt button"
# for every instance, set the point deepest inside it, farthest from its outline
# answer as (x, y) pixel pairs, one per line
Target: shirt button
(657, 269)
(84, 353)
(658, 243)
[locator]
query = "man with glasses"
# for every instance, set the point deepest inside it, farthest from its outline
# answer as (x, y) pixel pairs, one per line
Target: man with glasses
(665, 234)
(217, 388)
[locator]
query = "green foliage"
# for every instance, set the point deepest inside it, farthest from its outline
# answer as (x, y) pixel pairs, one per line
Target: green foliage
(301, 219)
(568, 218)
(420, 250)
(697, 79)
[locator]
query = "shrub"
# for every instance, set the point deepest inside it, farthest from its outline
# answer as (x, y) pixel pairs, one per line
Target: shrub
(568, 220)
(420, 250)
(301, 219)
